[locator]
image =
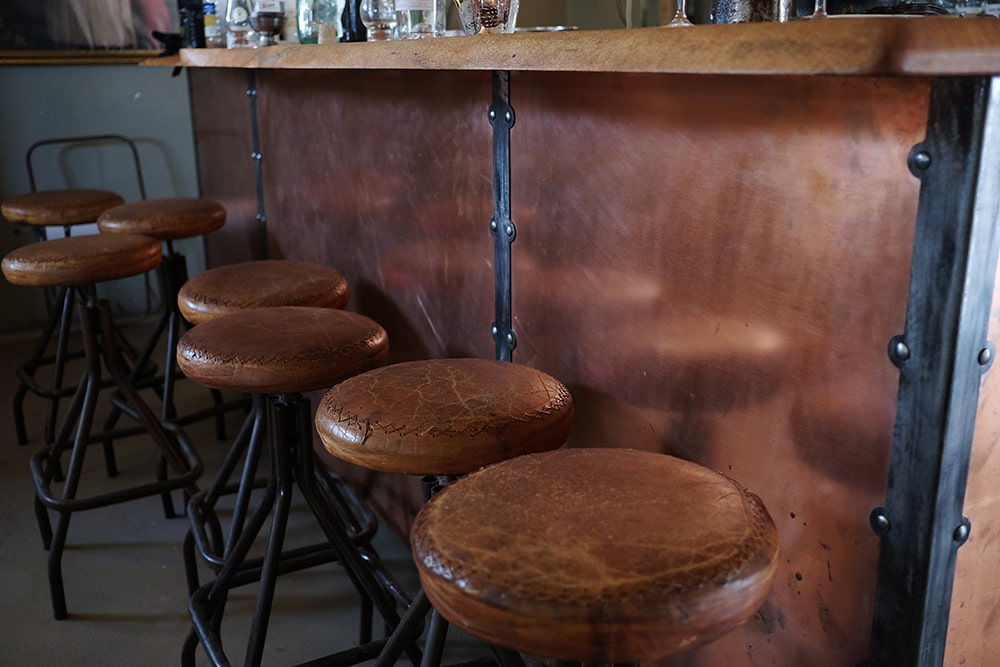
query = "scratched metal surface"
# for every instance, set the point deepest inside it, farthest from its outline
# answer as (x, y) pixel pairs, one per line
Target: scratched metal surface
(713, 265)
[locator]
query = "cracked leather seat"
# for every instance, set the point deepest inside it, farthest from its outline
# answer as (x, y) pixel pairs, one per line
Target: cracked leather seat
(595, 555)
(443, 416)
(261, 284)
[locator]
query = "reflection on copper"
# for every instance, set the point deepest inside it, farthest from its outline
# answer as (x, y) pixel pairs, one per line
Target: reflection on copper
(844, 430)
(440, 278)
(701, 363)
(584, 291)
(443, 267)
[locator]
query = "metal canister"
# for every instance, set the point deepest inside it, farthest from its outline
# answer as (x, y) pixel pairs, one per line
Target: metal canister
(748, 11)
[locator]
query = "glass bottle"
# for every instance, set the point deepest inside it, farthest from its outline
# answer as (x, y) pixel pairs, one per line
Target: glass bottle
(214, 34)
(318, 21)
(420, 18)
(239, 33)
(191, 24)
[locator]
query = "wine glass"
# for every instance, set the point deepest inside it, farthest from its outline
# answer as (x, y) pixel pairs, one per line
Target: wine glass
(680, 16)
(379, 17)
(819, 9)
(267, 25)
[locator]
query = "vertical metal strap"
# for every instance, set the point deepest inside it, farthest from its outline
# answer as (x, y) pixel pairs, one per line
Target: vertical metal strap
(940, 356)
(257, 158)
(501, 116)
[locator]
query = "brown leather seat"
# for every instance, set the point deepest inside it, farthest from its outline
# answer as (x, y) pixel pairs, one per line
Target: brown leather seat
(59, 207)
(260, 284)
(164, 219)
(595, 555)
(279, 350)
(443, 416)
(80, 260)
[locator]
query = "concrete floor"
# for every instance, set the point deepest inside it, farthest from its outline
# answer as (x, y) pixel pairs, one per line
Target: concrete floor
(123, 567)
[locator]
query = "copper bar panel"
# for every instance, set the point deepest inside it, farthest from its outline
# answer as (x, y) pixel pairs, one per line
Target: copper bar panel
(714, 265)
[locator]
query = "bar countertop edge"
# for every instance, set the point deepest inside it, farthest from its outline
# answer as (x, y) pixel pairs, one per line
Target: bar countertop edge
(847, 45)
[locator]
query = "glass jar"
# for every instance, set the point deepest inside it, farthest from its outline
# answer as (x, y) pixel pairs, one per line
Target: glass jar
(420, 18)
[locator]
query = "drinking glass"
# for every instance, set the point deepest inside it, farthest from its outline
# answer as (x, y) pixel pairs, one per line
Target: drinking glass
(680, 16)
(379, 17)
(487, 16)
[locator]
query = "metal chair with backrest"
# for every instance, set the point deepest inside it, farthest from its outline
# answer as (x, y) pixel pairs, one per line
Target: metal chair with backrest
(41, 210)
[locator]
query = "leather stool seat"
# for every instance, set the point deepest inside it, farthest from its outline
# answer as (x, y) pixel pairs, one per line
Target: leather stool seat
(164, 219)
(595, 555)
(443, 416)
(59, 207)
(81, 259)
(260, 284)
(279, 350)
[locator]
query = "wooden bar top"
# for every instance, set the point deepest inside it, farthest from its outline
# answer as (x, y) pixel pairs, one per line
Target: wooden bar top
(842, 45)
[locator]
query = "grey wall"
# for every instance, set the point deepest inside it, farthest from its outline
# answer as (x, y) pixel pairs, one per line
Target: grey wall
(145, 103)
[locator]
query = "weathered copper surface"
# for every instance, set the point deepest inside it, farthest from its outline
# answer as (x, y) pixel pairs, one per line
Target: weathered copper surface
(773, 214)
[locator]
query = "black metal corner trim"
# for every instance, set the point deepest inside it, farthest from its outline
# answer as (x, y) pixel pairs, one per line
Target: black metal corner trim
(941, 357)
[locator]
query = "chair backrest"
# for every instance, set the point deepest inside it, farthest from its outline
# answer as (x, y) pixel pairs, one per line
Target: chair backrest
(87, 139)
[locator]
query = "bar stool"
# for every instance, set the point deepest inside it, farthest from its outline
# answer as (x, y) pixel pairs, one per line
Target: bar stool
(595, 555)
(236, 288)
(441, 418)
(41, 210)
(169, 220)
(79, 263)
(277, 354)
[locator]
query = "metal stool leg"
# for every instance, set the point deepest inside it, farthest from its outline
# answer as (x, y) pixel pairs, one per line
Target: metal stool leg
(437, 632)
(59, 319)
(213, 548)
(281, 433)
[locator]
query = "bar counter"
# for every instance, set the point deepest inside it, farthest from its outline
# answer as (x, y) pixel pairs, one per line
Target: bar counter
(714, 234)
(845, 45)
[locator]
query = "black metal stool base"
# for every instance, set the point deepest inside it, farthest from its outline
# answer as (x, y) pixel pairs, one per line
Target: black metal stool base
(52, 350)
(101, 353)
(346, 523)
